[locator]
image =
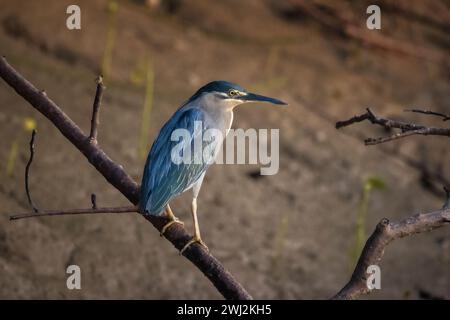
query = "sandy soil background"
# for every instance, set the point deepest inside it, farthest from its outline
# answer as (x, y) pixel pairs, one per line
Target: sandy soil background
(286, 236)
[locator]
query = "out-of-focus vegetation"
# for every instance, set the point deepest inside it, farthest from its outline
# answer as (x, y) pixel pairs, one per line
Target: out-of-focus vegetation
(113, 8)
(281, 233)
(28, 125)
(371, 184)
(144, 138)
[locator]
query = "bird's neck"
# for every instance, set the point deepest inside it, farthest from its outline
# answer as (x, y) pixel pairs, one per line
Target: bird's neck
(219, 115)
(223, 118)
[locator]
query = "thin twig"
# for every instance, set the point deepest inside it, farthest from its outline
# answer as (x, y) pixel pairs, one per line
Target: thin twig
(96, 110)
(429, 112)
(45, 213)
(94, 201)
(27, 171)
(407, 128)
(223, 280)
(395, 136)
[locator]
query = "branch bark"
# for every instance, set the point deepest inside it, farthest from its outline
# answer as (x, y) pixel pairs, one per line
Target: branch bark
(96, 110)
(407, 128)
(225, 283)
(385, 233)
(429, 112)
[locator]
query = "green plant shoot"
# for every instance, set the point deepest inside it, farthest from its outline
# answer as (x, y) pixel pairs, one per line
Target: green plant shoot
(372, 183)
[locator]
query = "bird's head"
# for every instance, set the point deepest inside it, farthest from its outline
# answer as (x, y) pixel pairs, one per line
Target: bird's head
(229, 95)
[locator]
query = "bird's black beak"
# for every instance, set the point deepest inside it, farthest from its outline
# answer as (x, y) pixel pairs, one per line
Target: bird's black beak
(253, 97)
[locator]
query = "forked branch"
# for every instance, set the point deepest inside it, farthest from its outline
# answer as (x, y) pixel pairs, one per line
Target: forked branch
(406, 128)
(385, 233)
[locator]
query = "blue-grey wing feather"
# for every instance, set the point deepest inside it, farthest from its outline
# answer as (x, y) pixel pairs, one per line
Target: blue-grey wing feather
(163, 179)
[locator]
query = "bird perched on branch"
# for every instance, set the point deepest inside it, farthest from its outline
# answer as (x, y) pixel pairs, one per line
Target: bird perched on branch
(209, 112)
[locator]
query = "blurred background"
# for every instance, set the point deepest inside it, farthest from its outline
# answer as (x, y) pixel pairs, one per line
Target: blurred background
(294, 235)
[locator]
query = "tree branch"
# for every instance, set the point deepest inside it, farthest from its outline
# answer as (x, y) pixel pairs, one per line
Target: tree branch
(45, 213)
(395, 136)
(27, 171)
(116, 176)
(385, 233)
(407, 128)
(96, 110)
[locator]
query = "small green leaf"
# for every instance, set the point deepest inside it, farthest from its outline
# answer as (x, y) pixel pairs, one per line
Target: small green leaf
(375, 182)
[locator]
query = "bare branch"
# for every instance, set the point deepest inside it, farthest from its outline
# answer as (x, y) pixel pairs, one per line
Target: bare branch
(352, 120)
(407, 128)
(429, 112)
(27, 171)
(395, 136)
(96, 110)
(46, 213)
(385, 233)
(116, 176)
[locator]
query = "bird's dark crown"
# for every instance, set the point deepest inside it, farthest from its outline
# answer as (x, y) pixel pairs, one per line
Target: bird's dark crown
(217, 86)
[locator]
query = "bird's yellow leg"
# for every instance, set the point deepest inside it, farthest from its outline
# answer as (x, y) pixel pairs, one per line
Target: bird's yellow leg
(197, 238)
(172, 219)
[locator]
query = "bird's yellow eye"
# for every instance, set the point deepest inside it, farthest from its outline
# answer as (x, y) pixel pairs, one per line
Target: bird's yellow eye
(233, 93)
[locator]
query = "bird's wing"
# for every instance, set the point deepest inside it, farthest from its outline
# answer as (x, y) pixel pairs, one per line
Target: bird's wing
(163, 179)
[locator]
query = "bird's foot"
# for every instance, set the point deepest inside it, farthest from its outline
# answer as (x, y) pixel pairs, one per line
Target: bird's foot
(171, 222)
(192, 241)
